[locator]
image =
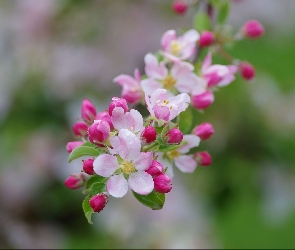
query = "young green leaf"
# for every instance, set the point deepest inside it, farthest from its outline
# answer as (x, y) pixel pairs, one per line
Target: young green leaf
(88, 211)
(201, 22)
(95, 179)
(154, 200)
(185, 120)
(83, 151)
(224, 9)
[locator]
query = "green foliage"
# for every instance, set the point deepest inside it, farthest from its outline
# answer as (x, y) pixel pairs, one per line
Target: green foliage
(84, 151)
(201, 22)
(154, 200)
(185, 120)
(224, 9)
(88, 211)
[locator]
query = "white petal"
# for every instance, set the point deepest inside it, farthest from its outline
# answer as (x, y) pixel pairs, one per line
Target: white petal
(117, 186)
(105, 165)
(143, 161)
(153, 68)
(207, 62)
(134, 121)
(185, 163)
(149, 85)
(167, 38)
(192, 141)
(141, 182)
(118, 118)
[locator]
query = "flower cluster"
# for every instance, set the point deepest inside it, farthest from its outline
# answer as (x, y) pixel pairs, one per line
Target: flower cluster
(129, 151)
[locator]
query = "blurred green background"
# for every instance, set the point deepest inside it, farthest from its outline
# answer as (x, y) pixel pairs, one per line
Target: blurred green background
(54, 53)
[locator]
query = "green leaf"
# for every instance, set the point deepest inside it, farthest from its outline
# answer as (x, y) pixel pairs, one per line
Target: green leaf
(88, 211)
(215, 3)
(154, 200)
(201, 22)
(185, 120)
(167, 148)
(224, 9)
(97, 188)
(95, 179)
(83, 151)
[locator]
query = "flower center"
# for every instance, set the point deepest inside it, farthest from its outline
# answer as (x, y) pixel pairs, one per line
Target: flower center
(175, 48)
(172, 154)
(169, 82)
(127, 167)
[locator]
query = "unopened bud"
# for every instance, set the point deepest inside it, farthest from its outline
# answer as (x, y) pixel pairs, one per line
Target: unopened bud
(149, 134)
(203, 101)
(75, 181)
(88, 111)
(98, 202)
(206, 38)
(105, 117)
(163, 184)
(72, 145)
(98, 132)
(80, 128)
(118, 102)
(155, 168)
(247, 71)
(204, 130)
(174, 136)
(203, 158)
(88, 166)
(252, 29)
(179, 6)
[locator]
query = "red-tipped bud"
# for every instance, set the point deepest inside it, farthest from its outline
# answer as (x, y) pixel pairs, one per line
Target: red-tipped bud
(80, 129)
(174, 136)
(204, 130)
(99, 131)
(203, 100)
(203, 158)
(118, 102)
(88, 166)
(206, 38)
(179, 6)
(105, 117)
(149, 134)
(252, 29)
(155, 168)
(247, 71)
(88, 111)
(75, 181)
(163, 184)
(72, 145)
(98, 202)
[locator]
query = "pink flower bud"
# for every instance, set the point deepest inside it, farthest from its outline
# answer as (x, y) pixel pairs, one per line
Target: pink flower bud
(204, 130)
(98, 132)
(72, 145)
(203, 100)
(155, 168)
(252, 29)
(80, 129)
(132, 96)
(105, 117)
(75, 181)
(88, 111)
(247, 71)
(203, 158)
(175, 136)
(163, 184)
(206, 38)
(88, 166)
(149, 134)
(98, 202)
(179, 6)
(118, 102)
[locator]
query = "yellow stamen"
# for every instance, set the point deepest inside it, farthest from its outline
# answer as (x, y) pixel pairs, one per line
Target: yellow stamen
(175, 48)
(169, 82)
(172, 154)
(127, 167)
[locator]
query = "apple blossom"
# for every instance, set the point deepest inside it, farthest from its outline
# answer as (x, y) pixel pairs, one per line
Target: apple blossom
(88, 111)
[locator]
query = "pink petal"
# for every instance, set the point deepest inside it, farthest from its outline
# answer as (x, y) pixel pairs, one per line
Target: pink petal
(186, 163)
(153, 68)
(166, 164)
(149, 85)
(141, 182)
(190, 37)
(167, 38)
(105, 165)
(181, 101)
(207, 62)
(117, 186)
(158, 95)
(137, 75)
(162, 112)
(118, 118)
(134, 121)
(181, 69)
(190, 82)
(126, 81)
(192, 141)
(232, 69)
(143, 161)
